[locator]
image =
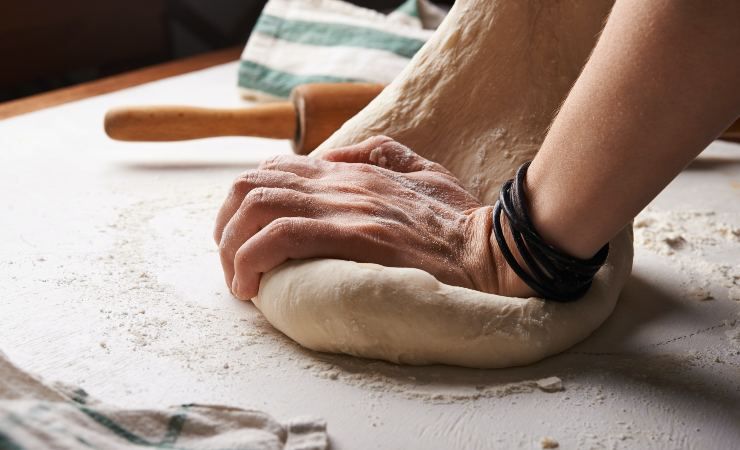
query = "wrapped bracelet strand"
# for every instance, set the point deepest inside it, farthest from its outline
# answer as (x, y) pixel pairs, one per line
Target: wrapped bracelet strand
(553, 274)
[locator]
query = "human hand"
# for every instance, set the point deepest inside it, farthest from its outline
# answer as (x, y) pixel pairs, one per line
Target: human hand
(376, 202)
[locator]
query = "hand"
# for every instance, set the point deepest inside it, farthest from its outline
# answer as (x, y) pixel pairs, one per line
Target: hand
(376, 201)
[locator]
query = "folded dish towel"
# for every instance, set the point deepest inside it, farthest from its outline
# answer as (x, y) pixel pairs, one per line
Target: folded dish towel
(329, 41)
(37, 415)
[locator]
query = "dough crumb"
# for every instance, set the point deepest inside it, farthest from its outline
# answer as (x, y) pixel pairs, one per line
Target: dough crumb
(331, 374)
(644, 223)
(550, 384)
(701, 294)
(547, 442)
(674, 241)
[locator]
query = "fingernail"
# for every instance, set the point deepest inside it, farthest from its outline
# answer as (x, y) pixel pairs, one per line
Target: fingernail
(235, 287)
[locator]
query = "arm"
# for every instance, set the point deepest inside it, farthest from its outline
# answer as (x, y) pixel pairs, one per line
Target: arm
(661, 84)
(659, 87)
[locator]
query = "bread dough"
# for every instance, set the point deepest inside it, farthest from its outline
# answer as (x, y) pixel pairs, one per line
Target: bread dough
(407, 316)
(477, 98)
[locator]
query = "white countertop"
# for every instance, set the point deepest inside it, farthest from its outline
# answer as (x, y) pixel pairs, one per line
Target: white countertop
(109, 279)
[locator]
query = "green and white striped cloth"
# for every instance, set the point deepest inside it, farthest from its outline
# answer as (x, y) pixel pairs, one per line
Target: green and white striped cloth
(326, 41)
(37, 415)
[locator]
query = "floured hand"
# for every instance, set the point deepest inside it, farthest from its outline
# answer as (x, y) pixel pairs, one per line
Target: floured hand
(376, 201)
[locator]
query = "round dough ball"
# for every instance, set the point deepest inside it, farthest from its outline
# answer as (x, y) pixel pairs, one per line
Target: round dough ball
(406, 316)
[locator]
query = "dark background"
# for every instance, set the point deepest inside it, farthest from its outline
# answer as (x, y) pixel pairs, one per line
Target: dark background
(47, 44)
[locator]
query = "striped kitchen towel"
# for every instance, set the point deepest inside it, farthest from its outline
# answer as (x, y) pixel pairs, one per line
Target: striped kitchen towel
(38, 415)
(329, 41)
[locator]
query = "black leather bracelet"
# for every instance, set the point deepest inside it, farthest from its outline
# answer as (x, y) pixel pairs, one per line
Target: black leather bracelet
(553, 274)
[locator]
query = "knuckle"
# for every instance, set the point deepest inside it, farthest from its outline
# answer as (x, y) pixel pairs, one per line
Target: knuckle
(241, 260)
(368, 206)
(396, 148)
(374, 230)
(283, 161)
(272, 162)
(261, 198)
(264, 196)
(245, 182)
(281, 226)
(289, 180)
(362, 177)
(365, 169)
(224, 249)
(257, 196)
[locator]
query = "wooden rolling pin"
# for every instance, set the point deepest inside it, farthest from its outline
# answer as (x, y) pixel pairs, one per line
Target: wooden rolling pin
(314, 112)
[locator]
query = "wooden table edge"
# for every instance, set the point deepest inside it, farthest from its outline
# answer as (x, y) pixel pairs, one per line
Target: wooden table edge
(117, 82)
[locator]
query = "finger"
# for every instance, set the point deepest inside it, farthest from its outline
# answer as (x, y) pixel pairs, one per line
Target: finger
(302, 238)
(356, 153)
(299, 165)
(245, 183)
(283, 239)
(384, 152)
(290, 238)
(260, 207)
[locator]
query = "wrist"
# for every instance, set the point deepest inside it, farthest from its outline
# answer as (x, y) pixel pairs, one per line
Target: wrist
(478, 258)
(485, 264)
(548, 270)
(508, 281)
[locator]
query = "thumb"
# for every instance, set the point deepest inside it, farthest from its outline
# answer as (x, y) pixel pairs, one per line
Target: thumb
(384, 152)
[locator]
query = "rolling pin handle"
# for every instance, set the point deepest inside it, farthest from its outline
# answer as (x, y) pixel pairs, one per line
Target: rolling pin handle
(177, 123)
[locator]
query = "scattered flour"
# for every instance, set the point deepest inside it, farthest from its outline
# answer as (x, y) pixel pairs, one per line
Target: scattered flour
(435, 384)
(693, 240)
(141, 312)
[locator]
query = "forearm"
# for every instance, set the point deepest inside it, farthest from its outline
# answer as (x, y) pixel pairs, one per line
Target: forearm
(661, 84)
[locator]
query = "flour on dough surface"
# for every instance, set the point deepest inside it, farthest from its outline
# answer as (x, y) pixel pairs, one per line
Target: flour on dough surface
(406, 316)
